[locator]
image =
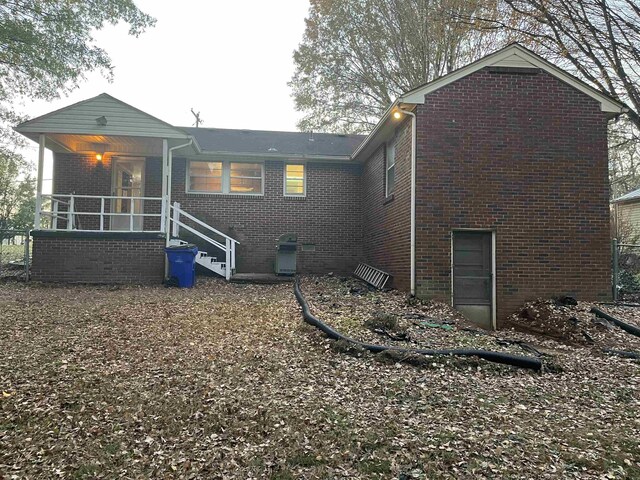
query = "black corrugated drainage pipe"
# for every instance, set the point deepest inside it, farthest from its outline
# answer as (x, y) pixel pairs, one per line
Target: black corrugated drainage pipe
(498, 357)
(632, 329)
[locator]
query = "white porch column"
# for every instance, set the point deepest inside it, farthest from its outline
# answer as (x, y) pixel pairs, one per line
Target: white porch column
(36, 220)
(165, 199)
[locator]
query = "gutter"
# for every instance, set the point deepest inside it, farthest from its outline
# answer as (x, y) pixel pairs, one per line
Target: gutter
(169, 186)
(414, 135)
(278, 156)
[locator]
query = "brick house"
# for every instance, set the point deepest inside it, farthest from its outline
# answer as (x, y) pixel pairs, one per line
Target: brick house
(485, 188)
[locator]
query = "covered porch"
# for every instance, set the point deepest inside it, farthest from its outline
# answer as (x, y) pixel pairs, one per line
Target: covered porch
(111, 192)
(111, 167)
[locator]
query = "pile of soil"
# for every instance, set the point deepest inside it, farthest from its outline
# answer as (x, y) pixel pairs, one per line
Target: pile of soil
(572, 323)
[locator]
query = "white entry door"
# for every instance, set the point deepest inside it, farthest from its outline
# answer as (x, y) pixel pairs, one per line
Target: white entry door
(128, 183)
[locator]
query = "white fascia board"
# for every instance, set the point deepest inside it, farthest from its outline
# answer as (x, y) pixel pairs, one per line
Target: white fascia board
(369, 138)
(271, 156)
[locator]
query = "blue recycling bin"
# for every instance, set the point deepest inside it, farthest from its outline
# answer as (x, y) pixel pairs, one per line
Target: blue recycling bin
(182, 264)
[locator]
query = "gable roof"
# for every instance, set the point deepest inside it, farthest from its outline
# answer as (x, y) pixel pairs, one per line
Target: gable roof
(512, 56)
(100, 115)
(300, 144)
(632, 195)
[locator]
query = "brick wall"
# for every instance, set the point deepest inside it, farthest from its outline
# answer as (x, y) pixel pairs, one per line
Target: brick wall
(84, 175)
(74, 257)
(387, 221)
(525, 156)
(329, 217)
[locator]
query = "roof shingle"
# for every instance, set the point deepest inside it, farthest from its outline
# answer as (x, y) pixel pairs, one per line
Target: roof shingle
(270, 142)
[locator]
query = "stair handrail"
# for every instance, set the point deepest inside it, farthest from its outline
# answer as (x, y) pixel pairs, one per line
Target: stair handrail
(201, 235)
(176, 206)
(230, 243)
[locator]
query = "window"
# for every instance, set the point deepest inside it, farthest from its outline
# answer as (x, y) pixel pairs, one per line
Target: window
(225, 177)
(246, 178)
(294, 180)
(205, 177)
(390, 178)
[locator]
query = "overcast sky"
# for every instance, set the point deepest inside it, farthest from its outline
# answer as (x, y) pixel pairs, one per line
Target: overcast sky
(230, 61)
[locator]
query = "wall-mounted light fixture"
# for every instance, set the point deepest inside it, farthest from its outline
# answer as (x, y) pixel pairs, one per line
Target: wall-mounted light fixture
(397, 115)
(100, 148)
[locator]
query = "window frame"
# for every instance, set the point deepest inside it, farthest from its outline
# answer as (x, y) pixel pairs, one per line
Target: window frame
(391, 146)
(229, 177)
(304, 179)
(226, 178)
(188, 188)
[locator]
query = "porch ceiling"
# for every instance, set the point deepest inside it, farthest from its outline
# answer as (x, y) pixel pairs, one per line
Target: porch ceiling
(110, 144)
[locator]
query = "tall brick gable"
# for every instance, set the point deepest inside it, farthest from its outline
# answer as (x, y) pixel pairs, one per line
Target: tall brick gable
(524, 155)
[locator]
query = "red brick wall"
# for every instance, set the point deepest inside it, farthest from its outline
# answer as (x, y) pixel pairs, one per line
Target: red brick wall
(525, 156)
(328, 217)
(74, 259)
(84, 175)
(387, 221)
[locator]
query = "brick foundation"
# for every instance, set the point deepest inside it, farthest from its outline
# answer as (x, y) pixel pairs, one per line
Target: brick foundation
(75, 257)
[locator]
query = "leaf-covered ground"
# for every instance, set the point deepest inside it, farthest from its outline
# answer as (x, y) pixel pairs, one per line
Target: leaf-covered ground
(225, 381)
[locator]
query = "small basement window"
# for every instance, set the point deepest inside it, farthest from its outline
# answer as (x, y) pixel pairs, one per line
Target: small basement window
(225, 177)
(295, 180)
(390, 177)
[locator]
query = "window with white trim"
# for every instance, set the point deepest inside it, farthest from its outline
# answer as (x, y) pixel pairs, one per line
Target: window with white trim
(238, 178)
(295, 182)
(205, 177)
(390, 175)
(245, 178)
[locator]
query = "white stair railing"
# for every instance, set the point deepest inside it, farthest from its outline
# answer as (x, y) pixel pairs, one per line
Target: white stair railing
(229, 245)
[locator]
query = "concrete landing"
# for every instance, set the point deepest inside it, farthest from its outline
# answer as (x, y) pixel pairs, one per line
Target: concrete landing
(265, 278)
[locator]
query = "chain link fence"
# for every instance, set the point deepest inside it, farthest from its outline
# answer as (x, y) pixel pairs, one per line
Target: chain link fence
(15, 254)
(626, 271)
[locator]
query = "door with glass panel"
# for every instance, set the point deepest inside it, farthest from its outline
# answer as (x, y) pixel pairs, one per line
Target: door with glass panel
(128, 186)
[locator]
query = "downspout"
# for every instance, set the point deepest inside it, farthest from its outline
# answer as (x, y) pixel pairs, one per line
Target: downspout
(414, 134)
(168, 193)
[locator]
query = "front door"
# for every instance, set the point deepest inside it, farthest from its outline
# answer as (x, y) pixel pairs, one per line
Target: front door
(473, 276)
(127, 184)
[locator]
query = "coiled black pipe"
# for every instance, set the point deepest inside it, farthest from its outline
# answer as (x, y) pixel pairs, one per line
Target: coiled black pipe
(497, 357)
(632, 329)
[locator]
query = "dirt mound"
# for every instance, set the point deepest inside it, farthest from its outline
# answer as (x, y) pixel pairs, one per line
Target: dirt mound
(567, 321)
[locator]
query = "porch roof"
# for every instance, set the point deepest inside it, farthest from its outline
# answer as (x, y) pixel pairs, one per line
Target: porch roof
(98, 117)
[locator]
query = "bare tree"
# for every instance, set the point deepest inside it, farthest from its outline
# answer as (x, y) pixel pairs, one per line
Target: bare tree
(599, 40)
(357, 56)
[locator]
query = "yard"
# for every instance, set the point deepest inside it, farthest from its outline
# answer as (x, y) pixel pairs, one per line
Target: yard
(226, 381)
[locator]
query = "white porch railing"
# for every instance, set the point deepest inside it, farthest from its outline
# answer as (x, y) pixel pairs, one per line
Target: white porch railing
(229, 246)
(60, 212)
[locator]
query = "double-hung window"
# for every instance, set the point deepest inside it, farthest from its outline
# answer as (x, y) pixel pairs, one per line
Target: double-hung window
(245, 178)
(390, 171)
(225, 177)
(295, 182)
(205, 177)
